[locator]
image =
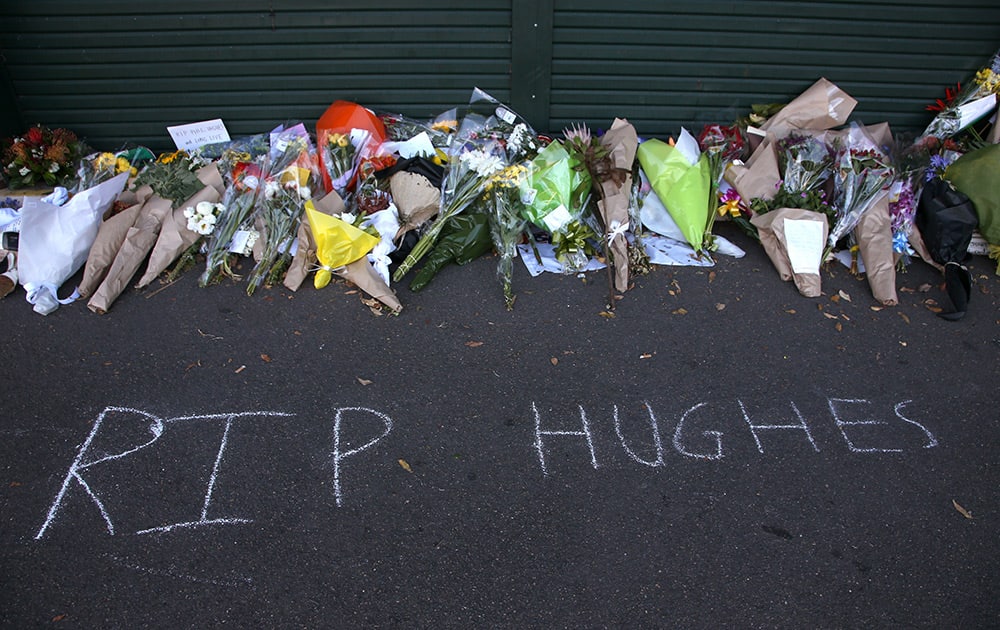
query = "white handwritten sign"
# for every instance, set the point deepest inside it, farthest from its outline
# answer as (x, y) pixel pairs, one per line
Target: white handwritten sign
(191, 136)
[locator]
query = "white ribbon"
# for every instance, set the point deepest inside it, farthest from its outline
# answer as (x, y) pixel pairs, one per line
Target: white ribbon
(44, 298)
(616, 229)
(313, 268)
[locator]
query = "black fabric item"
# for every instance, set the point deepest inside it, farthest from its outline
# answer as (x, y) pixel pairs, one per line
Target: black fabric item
(403, 249)
(419, 165)
(958, 285)
(946, 219)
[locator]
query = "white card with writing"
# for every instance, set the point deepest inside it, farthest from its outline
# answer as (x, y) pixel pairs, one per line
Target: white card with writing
(191, 136)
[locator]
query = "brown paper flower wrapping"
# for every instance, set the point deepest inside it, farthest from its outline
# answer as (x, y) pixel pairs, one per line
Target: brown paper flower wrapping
(416, 199)
(874, 237)
(760, 175)
(822, 106)
(174, 238)
(773, 237)
(139, 240)
(363, 275)
(142, 237)
(109, 240)
(623, 142)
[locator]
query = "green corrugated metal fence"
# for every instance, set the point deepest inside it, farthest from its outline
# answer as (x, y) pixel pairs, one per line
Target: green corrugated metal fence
(117, 71)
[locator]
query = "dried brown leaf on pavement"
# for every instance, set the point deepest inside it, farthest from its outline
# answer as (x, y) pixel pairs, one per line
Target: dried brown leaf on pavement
(961, 510)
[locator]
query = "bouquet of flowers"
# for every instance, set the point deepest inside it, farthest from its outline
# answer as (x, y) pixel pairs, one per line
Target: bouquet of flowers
(793, 224)
(341, 154)
(172, 176)
(608, 161)
(188, 227)
(965, 106)
(679, 175)
(338, 243)
(243, 185)
(345, 132)
(911, 164)
(720, 145)
(862, 176)
(371, 195)
(471, 166)
(555, 193)
(402, 128)
(507, 222)
(286, 189)
(806, 163)
(733, 206)
(100, 167)
(41, 157)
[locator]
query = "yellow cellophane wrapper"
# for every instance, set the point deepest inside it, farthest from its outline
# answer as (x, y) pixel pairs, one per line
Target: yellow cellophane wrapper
(338, 243)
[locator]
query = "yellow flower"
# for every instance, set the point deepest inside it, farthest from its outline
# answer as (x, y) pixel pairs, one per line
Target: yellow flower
(988, 80)
(122, 165)
(446, 126)
(338, 139)
(105, 161)
(167, 158)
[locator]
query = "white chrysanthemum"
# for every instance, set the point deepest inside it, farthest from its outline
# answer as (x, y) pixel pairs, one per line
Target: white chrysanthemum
(305, 192)
(190, 213)
(24, 170)
(205, 208)
(192, 224)
(271, 189)
(484, 164)
(204, 226)
(347, 217)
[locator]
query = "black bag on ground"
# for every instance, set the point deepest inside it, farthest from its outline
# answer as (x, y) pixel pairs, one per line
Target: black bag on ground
(946, 219)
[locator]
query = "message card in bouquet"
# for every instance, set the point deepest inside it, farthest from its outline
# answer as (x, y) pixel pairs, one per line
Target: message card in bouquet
(194, 135)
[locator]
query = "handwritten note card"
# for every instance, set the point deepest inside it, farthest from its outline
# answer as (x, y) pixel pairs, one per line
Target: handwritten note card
(191, 136)
(804, 240)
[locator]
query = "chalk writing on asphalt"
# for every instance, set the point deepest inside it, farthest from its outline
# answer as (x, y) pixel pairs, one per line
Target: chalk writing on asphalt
(849, 415)
(109, 464)
(149, 429)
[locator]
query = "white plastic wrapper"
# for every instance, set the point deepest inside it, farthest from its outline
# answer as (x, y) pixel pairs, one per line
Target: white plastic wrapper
(55, 240)
(654, 214)
(386, 222)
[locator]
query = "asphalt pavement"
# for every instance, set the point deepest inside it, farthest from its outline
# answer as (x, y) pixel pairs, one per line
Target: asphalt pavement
(722, 453)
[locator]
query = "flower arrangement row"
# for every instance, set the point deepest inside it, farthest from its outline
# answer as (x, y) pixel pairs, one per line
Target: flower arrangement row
(377, 197)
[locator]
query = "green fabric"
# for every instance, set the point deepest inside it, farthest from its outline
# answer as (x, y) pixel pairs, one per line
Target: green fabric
(683, 188)
(977, 175)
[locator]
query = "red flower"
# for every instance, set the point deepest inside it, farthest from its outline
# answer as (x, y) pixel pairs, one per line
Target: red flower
(949, 98)
(34, 136)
